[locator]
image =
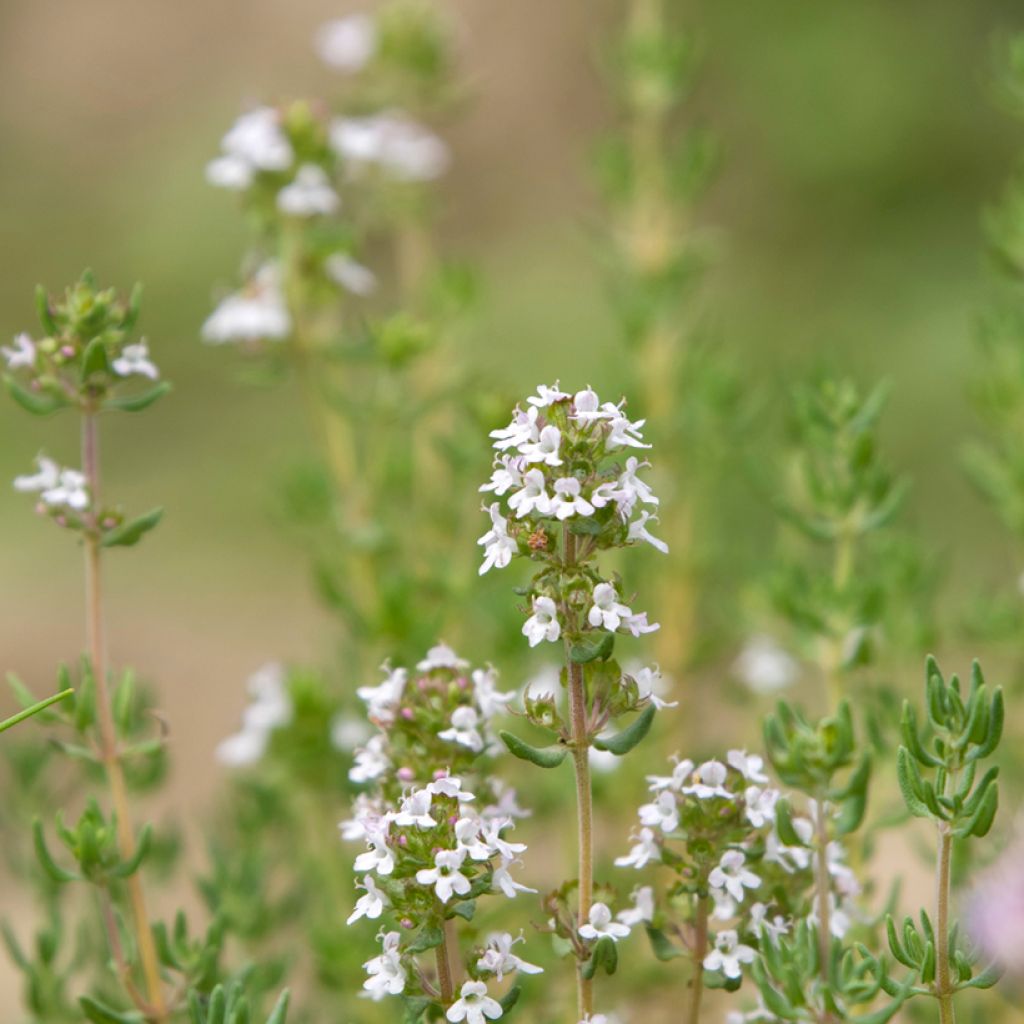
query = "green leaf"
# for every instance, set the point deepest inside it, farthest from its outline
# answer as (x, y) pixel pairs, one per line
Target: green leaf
(909, 783)
(510, 998)
(28, 712)
(280, 1010)
(465, 909)
(46, 861)
(543, 757)
(784, 825)
(590, 649)
(415, 1007)
(623, 742)
(43, 309)
(429, 937)
(36, 402)
(130, 866)
(99, 1013)
(128, 534)
(986, 979)
(662, 947)
(981, 820)
(95, 360)
(136, 403)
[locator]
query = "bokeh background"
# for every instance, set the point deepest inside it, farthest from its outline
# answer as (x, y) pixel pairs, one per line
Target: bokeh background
(859, 144)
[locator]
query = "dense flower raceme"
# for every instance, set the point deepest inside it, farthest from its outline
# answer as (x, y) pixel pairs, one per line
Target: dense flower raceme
(713, 826)
(567, 464)
(433, 848)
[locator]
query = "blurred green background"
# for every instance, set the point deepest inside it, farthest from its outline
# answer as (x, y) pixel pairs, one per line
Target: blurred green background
(859, 144)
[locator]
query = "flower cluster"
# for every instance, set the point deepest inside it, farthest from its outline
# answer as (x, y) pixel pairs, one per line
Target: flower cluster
(432, 850)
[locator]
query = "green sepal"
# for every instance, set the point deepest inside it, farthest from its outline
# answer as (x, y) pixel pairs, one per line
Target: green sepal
(37, 403)
(128, 534)
(661, 945)
(99, 1013)
(586, 650)
(136, 403)
(543, 757)
(623, 742)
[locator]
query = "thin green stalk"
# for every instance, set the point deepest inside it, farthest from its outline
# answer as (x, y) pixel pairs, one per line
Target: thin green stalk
(823, 890)
(698, 953)
(943, 987)
(584, 798)
(42, 705)
(109, 750)
(444, 968)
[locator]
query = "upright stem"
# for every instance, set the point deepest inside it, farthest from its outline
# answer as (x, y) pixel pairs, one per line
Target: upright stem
(584, 798)
(444, 968)
(823, 890)
(699, 953)
(943, 988)
(109, 750)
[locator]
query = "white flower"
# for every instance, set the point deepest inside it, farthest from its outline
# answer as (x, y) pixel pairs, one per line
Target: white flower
(415, 810)
(728, 955)
(371, 761)
(651, 685)
(663, 813)
(521, 431)
(543, 623)
(445, 876)
(642, 910)
(382, 698)
(645, 849)
(606, 611)
(451, 787)
(750, 766)
(378, 857)
(242, 748)
(269, 708)
(637, 624)
(507, 806)
(587, 406)
(23, 352)
(386, 974)
(681, 774)
(370, 904)
(545, 448)
(502, 880)
(495, 844)
(761, 924)
(498, 546)
(733, 875)
(533, 496)
(567, 500)
(709, 781)
(489, 698)
(256, 312)
(499, 960)
(838, 919)
(507, 474)
(638, 532)
(310, 194)
(629, 489)
(397, 145)
(789, 858)
(601, 924)
(45, 479)
(764, 667)
(347, 44)
(351, 275)
(548, 396)
(255, 142)
(725, 905)
(464, 729)
(441, 656)
(134, 360)
(347, 732)
(760, 805)
(474, 1005)
(623, 432)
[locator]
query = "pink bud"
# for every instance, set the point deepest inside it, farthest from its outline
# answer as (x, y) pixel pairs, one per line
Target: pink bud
(453, 819)
(403, 840)
(109, 523)
(406, 922)
(41, 508)
(61, 520)
(67, 351)
(462, 682)
(423, 683)
(407, 713)
(405, 774)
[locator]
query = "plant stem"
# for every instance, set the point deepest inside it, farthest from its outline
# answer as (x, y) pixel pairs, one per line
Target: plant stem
(943, 988)
(823, 891)
(698, 954)
(108, 731)
(584, 798)
(442, 954)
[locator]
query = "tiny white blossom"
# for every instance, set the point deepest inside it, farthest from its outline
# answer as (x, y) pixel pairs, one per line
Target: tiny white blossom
(606, 611)
(521, 431)
(532, 497)
(629, 488)
(348, 732)
(623, 432)
(23, 352)
(548, 396)
(750, 766)
(642, 910)
(391, 141)
(637, 624)
(350, 274)
(378, 857)
(445, 876)
(709, 781)
(567, 500)
(651, 685)
(464, 729)
(415, 810)
(347, 44)
(489, 698)
(681, 775)
(46, 478)
(545, 448)
(733, 875)
(498, 546)
(255, 142)
(441, 656)
(764, 667)
(451, 787)
(134, 360)
(386, 974)
(382, 698)
(587, 406)
(371, 761)
(760, 805)
(645, 849)
(474, 1005)
(728, 955)
(507, 474)
(499, 960)
(663, 813)
(638, 532)
(543, 623)
(309, 195)
(600, 924)
(269, 708)
(763, 925)
(257, 312)
(370, 904)
(501, 879)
